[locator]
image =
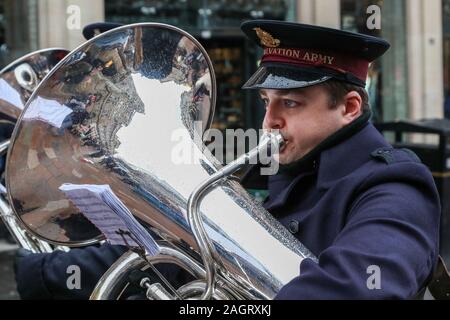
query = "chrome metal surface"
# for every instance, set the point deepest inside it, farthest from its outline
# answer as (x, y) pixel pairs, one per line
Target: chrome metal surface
(21, 77)
(195, 290)
(107, 288)
(121, 110)
(17, 82)
(156, 291)
(4, 147)
(114, 282)
(22, 237)
(207, 249)
(107, 114)
(110, 285)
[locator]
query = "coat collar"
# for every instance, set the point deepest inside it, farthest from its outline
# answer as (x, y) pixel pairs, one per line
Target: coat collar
(281, 186)
(330, 165)
(344, 158)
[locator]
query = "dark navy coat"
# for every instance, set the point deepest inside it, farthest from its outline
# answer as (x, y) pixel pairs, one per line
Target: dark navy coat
(44, 276)
(368, 212)
(365, 210)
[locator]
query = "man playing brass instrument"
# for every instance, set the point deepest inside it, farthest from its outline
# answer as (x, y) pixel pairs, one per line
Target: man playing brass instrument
(370, 213)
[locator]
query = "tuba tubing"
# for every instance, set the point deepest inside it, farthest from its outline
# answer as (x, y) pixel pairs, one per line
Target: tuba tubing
(207, 250)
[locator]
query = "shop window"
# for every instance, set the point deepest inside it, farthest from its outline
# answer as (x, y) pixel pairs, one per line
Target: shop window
(195, 13)
(386, 84)
(18, 29)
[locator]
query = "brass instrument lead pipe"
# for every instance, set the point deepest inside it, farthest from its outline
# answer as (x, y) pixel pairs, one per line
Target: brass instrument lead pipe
(207, 250)
(4, 146)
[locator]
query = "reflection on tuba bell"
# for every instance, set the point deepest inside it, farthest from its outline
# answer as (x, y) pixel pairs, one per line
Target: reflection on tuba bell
(17, 82)
(19, 79)
(113, 112)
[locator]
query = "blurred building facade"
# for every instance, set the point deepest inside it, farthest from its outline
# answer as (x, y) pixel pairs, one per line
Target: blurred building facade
(412, 81)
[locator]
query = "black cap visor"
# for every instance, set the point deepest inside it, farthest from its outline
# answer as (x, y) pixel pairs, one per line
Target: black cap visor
(273, 75)
(280, 76)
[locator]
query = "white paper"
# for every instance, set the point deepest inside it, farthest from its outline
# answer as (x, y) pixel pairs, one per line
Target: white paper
(104, 209)
(49, 111)
(10, 95)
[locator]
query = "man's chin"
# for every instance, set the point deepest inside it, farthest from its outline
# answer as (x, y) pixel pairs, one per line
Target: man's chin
(287, 159)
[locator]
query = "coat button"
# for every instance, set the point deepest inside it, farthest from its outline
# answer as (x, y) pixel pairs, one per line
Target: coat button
(293, 226)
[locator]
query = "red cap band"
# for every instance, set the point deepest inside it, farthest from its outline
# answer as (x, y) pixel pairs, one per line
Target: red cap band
(306, 57)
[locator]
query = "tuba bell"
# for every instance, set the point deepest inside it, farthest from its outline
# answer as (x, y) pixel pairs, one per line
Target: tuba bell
(123, 110)
(17, 82)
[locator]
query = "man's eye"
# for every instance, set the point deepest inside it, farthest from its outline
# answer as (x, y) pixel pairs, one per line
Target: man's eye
(265, 101)
(290, 103)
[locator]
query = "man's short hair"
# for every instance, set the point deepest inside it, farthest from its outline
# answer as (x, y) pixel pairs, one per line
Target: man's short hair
(338, 89)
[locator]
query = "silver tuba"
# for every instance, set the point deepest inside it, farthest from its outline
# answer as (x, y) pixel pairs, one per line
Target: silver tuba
(17, 82)
(123, 109)
(19, 79)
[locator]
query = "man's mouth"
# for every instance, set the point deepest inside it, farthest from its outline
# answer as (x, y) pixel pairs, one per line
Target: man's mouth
(283, 147)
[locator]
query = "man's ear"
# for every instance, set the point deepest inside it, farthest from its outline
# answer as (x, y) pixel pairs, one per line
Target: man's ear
(352, 106)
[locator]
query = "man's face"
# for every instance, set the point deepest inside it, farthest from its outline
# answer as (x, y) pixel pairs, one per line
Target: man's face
(304, 118)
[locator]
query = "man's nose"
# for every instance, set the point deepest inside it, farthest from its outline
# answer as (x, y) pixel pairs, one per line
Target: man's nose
(273, 118)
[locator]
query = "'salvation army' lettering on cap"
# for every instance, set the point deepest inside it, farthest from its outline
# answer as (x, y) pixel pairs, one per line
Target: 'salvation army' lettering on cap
(299, 55)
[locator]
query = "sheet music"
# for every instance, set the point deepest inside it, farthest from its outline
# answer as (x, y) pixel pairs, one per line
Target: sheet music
(104, 209)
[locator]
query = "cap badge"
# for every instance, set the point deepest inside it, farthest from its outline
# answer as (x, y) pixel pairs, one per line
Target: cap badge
(266, 38)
